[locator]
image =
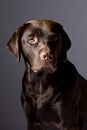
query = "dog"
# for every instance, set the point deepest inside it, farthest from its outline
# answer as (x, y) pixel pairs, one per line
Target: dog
(53, 91)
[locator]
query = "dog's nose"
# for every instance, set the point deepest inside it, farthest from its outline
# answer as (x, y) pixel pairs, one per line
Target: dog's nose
(44, 56)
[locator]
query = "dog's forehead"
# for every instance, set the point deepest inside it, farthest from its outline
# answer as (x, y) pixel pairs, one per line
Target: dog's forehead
(47, 23)
(44, 25)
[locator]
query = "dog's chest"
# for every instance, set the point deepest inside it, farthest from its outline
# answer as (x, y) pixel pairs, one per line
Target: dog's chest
(44, 102)
(40, 95)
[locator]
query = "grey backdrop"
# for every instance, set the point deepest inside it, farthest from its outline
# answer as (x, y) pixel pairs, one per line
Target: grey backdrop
(71, 13)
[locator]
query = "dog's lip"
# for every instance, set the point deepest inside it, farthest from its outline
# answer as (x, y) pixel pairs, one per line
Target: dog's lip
(50, 69)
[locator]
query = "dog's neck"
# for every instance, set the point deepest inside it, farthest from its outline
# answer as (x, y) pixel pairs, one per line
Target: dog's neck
(61, 77)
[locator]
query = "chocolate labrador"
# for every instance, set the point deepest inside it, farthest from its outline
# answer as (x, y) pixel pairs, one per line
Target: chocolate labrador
(53, 91)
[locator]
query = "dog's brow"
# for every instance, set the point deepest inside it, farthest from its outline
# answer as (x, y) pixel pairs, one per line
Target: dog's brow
(51, 35)
(36, 31)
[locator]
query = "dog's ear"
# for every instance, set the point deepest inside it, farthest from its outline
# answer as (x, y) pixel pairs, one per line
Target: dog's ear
(13, 44)
(66, 43)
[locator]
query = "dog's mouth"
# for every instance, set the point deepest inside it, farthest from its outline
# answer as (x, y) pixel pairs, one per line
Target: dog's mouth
(46, 68)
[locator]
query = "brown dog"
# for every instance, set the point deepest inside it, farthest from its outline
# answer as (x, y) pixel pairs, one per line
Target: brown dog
(52, 89)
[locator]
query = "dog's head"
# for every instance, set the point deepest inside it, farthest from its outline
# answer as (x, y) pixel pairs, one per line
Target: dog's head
(43, 43)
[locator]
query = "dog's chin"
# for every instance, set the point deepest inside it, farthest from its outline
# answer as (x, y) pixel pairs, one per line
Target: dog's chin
(44, 69)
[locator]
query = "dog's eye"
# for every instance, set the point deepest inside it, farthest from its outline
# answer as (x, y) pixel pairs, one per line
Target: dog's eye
(32, 40)
(53, 37)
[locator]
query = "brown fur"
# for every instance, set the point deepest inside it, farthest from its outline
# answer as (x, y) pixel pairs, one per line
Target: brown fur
(52, 89)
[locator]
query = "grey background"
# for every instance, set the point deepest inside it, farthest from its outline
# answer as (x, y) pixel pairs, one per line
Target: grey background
(72, 14)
